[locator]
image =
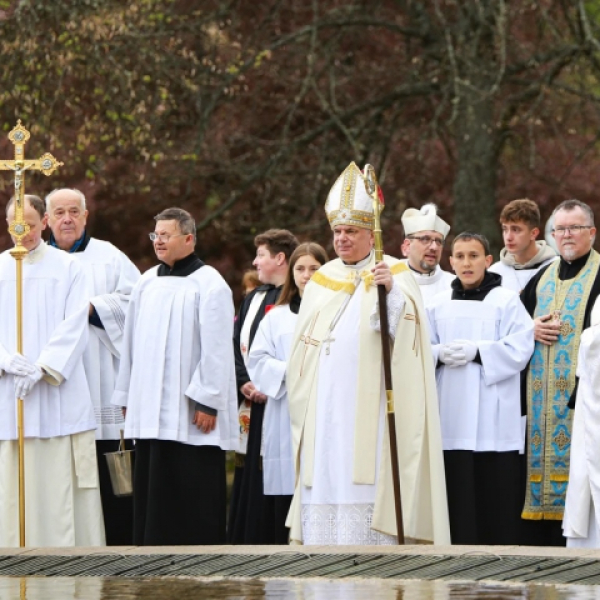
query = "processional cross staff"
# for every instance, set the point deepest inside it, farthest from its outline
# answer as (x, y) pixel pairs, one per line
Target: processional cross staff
(47, 164)
(373, 190)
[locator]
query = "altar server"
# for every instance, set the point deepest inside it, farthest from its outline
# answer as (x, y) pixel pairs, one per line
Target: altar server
(177, 383)
(266, 367)
(523, 255)
(250, 510)
(482, 338)
(62, 503)
(111, 276)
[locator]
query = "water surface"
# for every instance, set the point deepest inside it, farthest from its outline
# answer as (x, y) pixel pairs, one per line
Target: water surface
(112, 588)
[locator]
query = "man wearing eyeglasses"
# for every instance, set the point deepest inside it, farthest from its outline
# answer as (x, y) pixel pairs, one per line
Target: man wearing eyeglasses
(560, 298)
(177, 384)
(425, 236)
(111, 277)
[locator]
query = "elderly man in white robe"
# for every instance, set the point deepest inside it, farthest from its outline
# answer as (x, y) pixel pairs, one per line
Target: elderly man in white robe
(62, 502)
(343, 489)
(111, 277)
(425, 235)
(581, 522)
(177, 383)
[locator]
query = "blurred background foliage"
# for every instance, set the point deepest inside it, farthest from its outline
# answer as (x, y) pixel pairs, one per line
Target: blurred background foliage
(245, 112)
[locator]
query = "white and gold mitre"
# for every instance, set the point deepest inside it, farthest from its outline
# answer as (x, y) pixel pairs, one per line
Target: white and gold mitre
(426, 219)
(348, 202)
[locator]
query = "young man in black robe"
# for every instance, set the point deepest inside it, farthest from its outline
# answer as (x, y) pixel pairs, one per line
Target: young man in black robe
(250, 511)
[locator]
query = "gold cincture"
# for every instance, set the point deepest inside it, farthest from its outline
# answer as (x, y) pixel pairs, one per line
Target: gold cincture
(308, 340)
(47, 164)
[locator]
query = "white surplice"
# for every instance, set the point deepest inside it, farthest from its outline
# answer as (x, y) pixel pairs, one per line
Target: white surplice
(111, 277)
(480, 405)
(432, 284)
(176, 351)
(516, 276)
(581, 520)
(58, 412)
(266, 367)
(514, 279)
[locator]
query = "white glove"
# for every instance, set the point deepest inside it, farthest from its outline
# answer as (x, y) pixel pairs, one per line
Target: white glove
(17, 364)
(24, 383)
(466, 351)
(446, 354)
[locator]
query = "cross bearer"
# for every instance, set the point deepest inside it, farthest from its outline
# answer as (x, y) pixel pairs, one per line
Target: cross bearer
(337, 398)
(62, 495)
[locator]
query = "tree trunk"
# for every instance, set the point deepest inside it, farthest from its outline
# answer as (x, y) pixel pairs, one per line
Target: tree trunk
(475, 183)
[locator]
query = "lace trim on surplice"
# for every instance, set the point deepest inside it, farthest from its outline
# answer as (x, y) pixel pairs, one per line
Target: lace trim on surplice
(341, 524)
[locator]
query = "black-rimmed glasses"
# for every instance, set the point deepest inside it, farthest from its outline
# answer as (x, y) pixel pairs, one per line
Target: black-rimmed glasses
(427, 240)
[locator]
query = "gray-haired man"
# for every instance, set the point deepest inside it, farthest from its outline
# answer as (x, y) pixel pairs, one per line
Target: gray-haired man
(111, 277)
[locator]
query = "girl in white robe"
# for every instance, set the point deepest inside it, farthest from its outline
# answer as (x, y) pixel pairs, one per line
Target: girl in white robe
(267, 365)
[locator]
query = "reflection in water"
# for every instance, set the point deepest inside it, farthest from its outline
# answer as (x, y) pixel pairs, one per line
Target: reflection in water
(160, 588)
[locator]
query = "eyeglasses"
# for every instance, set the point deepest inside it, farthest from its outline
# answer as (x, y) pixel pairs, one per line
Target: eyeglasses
(163, 237)
(574, 229)
(428, 240)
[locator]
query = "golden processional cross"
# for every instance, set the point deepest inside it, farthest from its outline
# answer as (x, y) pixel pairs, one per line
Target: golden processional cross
(47, 164)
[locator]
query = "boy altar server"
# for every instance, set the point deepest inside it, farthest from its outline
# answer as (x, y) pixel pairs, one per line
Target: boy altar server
(522, 256)
(482, 339)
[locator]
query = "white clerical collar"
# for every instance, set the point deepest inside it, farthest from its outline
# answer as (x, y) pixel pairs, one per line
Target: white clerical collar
(429, 278)
(420, 273)
(36, 254)
(361, 264)
(426, 278)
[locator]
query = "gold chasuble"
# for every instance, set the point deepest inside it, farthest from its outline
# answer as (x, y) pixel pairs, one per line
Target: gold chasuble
(550, 382)
(422, 479)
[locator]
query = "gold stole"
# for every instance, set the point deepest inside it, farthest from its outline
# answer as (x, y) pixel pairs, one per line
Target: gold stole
(550, 381)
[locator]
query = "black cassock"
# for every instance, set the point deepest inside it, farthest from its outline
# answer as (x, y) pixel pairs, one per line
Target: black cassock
(179, 494)
(179, 490)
